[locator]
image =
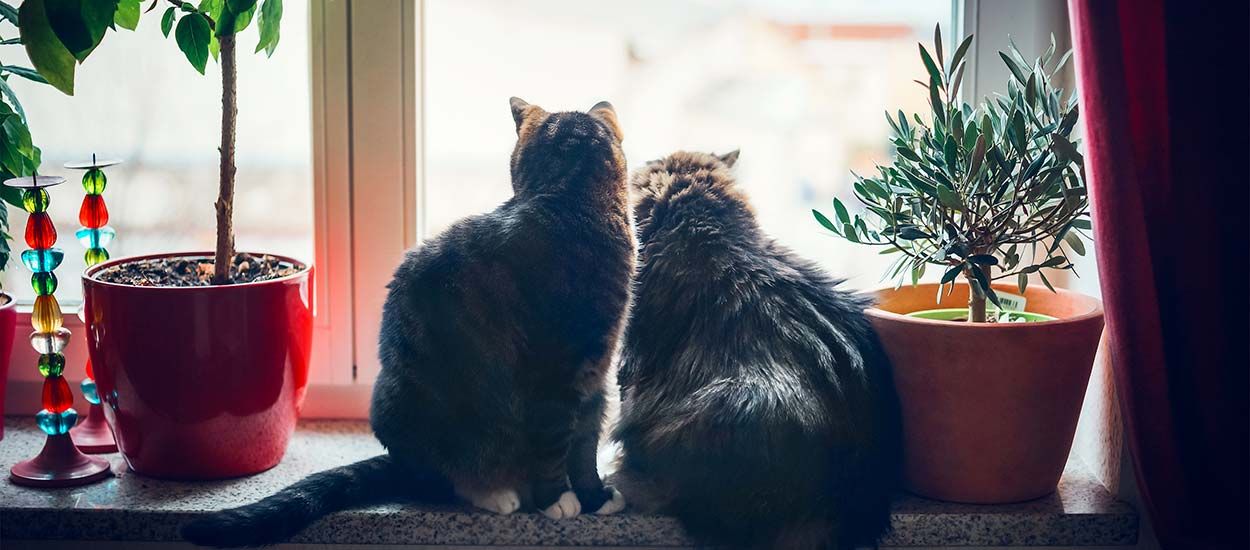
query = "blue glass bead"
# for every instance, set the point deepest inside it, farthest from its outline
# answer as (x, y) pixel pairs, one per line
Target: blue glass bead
(89, 391)
(42, 261)
(95, 238)
(56, 424)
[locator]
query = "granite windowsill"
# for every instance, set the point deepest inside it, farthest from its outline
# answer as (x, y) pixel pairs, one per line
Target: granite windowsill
(130, 507)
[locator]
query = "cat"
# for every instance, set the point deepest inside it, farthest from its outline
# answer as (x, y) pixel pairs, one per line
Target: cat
(496, 340)
(757, 405)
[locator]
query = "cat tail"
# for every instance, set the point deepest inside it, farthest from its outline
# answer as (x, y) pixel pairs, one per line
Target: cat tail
(278, 517)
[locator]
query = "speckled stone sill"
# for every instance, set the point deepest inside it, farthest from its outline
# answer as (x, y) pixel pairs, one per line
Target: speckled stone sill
(130, 507)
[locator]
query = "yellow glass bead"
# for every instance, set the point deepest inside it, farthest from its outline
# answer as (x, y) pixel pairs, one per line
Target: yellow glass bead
(46, 316)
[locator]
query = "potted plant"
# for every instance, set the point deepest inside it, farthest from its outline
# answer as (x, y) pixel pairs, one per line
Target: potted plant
(990, 395)
(18, 157)
(201, 358)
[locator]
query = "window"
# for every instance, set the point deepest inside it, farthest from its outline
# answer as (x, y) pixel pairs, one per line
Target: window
(138, 99)
(801, 88)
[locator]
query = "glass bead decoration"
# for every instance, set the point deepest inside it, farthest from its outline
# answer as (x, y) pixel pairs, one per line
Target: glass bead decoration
(94, 181)
(43, 283)
(89, 391)
(95, 256)
(35, 200)
(57, 396)
(46, 315)
(93, 213)
(42, 261)
(90, 371)
(51, 364)
(40, 233)
(95, 238)
(56, 423)
(50, 342)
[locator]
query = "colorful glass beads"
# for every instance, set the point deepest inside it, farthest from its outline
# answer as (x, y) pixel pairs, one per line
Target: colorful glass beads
(42, 261)
(51, 364)
(89, 391)
(40, 233)
(94, 182)
(93, 212)
(95, 238)
(44, 283)
(96, 256)
(50, 342)
(35, 200)
(46, 315)
(56, 423)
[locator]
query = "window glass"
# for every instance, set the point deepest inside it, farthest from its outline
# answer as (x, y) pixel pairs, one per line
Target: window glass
(800, 87)
(138, 99)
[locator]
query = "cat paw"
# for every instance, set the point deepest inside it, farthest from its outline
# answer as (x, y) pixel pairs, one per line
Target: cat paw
(503, 501)
(567, 506)
(613, 505)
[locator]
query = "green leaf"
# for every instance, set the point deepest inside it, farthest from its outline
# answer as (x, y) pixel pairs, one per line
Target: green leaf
(952, 273)
(127, 15)
(949, 199)
(935, 99)
(232, 21)
(1082, 224)
(840, 210)
(911, 233)
(934, 74)
(1016, 70)
(240, 6)
(8, 13)
(824, 221)
(983, 259)
(167, 21)
(1022, 282)
(192, 35)
(1074, 241)
(908, 153)
(270, 24)
(47, 53)
(8, 93)
(937, 44)
(1046, 281)
(80, 24)
(960, 51)
(1065, 149)
(28, 74)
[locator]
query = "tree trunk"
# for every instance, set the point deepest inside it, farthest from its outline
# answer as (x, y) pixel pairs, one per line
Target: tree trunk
(976, 297)
(224, 257)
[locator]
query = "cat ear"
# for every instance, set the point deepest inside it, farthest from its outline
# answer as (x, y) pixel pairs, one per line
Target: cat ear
(522, 110)
(730, 158)
(605, 112)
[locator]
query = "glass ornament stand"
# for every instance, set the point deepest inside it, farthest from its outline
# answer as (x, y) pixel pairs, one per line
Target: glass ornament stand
(59, 463)
(93, 435)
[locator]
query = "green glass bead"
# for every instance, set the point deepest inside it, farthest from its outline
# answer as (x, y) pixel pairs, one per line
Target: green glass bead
(35, 200)
(95, 256)
(56, 423)
(89, 391)
(51, 364)
(94, 182)
(43, 283)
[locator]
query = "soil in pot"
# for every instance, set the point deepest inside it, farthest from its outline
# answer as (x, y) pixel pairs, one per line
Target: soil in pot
(195, 271)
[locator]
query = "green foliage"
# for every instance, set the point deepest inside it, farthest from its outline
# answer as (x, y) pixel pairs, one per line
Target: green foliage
(18, 154)
(59, 34)
(999, 187)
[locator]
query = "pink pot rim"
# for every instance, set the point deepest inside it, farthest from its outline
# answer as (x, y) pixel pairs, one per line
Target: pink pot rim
(1095, 312)
(88, 276)
(10, 301)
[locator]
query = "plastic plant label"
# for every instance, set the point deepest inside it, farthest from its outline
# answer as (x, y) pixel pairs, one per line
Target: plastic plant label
(1011, 302)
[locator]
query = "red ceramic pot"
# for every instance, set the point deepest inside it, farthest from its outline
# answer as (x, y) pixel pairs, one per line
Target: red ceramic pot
(8, 324)
(989, 409)
(200, 382)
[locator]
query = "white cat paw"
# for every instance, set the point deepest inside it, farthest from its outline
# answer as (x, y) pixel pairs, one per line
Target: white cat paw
(612, 506)
(566, 507)
(503, 501)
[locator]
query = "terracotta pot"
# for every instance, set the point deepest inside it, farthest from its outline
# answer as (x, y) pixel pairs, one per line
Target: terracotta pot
(989, 410)
(200, 382)
(8, 324)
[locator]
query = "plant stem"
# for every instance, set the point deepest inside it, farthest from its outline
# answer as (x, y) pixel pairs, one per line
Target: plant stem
(223, 259)
(976, 296)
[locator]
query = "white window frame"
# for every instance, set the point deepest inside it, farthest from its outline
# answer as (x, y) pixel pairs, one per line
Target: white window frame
(367, 86)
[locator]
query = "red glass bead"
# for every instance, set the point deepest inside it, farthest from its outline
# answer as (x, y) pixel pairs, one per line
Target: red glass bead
(57, 396)
(93, 214)
(40, 233)
(90, 373)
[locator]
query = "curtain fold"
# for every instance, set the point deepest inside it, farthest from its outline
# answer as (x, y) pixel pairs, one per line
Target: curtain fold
(1165, 104)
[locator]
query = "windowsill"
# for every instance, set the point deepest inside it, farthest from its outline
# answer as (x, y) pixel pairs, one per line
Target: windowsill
(130, 507)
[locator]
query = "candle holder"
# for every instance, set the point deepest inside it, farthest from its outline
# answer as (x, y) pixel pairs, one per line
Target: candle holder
(59, 464)
(93, 435)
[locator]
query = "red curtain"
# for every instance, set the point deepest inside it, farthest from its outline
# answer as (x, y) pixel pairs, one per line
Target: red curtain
(1165, 103)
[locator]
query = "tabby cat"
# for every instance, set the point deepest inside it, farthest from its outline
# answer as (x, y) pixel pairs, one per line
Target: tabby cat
(757, 404)
(496, 339)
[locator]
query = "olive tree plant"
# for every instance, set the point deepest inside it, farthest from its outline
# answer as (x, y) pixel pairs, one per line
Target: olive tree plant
(60, 34)
(986, 192)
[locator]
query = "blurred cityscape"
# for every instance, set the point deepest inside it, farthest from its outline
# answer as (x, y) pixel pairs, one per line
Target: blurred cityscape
(800, 87)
